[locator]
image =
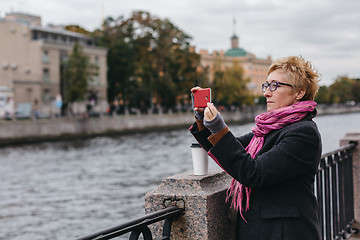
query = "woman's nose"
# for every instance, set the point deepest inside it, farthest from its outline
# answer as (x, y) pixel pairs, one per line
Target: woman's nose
(267, 92)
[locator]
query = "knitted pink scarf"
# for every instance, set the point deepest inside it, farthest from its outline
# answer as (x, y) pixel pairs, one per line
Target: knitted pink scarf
(265, 123)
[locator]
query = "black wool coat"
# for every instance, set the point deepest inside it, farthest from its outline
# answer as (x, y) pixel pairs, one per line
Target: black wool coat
(281, 176)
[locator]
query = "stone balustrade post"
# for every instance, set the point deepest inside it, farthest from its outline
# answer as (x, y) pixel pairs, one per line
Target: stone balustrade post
(355, 136)
(207, 216)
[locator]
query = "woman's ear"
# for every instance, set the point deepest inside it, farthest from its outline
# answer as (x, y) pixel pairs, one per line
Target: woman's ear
(300, 94)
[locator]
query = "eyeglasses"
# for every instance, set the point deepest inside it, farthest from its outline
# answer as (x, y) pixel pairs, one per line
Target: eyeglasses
(273, 86)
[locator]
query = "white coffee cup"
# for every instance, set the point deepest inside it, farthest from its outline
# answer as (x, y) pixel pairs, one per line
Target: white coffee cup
(200, 159)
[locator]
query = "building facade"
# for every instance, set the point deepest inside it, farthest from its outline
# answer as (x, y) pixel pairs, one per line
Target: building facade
(33, 60)
(254, 68)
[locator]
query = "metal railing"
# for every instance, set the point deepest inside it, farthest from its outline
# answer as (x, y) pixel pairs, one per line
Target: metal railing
(335, 193)
(140, 226)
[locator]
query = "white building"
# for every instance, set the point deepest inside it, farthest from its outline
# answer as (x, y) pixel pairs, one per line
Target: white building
(32, 61)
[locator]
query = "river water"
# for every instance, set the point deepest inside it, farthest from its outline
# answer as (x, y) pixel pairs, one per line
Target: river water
(63, 190)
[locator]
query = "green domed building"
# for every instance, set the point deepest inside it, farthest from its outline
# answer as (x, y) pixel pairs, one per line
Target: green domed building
(254, 68)
(235, 51)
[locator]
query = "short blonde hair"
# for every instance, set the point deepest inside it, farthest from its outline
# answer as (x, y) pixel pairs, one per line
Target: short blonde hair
(301, 73)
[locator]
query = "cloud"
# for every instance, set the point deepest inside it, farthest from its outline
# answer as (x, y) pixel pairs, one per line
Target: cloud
(324, 31)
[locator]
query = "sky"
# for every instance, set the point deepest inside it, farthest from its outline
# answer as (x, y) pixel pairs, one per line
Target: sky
(325, 32)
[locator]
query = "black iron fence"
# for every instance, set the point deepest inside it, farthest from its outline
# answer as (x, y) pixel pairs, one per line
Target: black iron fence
(139, 226)
(335, 194)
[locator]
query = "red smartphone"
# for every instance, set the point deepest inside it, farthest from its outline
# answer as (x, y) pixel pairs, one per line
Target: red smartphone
(201, 97)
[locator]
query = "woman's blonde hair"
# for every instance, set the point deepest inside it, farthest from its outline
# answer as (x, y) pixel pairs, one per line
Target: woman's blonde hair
(301, 73)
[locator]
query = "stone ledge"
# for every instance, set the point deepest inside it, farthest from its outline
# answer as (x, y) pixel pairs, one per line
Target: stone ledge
(207, 216)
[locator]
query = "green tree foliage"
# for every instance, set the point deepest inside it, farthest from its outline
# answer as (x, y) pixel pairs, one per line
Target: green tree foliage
(356, 90)
(77, 28)
(343, 90)
(77, 73)
(230, 85)
(149, 60)
(323, 95)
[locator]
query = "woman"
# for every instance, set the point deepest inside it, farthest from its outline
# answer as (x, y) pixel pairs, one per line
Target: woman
(273, 168)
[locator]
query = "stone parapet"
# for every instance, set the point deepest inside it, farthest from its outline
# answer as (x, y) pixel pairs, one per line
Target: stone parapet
(207, 216)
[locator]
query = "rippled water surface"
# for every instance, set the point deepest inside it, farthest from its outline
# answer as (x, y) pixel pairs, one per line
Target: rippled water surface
(64, 190)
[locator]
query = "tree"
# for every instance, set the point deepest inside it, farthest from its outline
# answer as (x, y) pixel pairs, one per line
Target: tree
(356, 90)
(77, 28)
(121, 69)
(341, 90)
(149, 61)
(78, 72)
(322, 95)
(230, 85)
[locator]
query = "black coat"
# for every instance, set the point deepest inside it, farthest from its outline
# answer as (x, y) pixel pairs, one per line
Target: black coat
(282, 203)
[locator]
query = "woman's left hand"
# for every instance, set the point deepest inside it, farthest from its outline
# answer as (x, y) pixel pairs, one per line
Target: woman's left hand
(210, 112)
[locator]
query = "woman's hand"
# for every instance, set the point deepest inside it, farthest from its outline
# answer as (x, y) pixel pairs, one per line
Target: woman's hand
(210, 112)
(213, 120)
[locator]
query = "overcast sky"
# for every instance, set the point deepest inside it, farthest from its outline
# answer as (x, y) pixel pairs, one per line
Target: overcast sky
(326, 32)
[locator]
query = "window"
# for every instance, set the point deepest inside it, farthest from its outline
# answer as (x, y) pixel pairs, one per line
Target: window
(63, 56)
(46, 75)
(62, 38)
(35, 35)
(89, 43)
(94, 80)
(46, 96)
(45, 57)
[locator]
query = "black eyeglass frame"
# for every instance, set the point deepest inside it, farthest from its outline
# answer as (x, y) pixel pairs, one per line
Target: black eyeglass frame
(273, 86)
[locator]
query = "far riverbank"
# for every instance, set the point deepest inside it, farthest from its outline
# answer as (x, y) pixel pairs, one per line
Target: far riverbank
(28, 131)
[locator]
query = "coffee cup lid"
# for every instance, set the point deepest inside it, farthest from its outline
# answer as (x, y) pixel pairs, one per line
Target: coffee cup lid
(195, 145)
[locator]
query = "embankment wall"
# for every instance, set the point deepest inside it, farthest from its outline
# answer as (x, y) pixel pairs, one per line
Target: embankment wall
(24, 131)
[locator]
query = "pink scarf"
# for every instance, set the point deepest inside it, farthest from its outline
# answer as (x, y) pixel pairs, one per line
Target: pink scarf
(265, 123)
